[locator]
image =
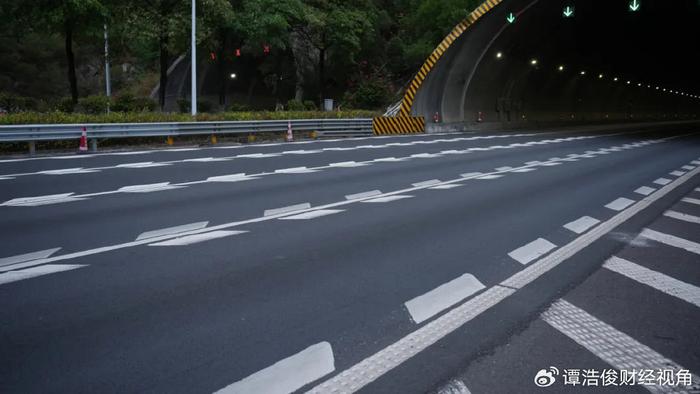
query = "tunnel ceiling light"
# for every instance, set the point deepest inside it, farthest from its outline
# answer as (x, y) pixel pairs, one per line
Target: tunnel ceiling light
(233, 75)
(600, 76)
(629, 82)
(639, 84)
(499, 55)
(657, 88)
(648, 86)
(533, 62)
(615, 79)
(664, 89)
(560, 68)
(583, 73)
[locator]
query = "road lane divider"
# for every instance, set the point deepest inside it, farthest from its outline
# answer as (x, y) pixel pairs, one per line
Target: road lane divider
(33, 272)
(645, 190)
(23, 258)
(145, 164)
(67, 171)
(387, 199)
(148, 188)
(42, 200)
(532, 251)
(292, 208)
(186, 240)
(619, 204)
(430, 182)
(425, 306)
(582, 224)
(313, 214)
(362, 195)
(172, 230)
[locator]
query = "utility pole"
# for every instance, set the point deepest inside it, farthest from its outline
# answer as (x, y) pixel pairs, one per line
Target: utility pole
(193, 100)
(108, 82)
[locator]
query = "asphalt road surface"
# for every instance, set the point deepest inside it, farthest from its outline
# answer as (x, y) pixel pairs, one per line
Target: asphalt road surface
(446, 263)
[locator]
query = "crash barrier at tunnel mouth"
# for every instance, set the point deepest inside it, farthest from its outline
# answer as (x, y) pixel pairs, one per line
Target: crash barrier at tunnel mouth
(398, 125)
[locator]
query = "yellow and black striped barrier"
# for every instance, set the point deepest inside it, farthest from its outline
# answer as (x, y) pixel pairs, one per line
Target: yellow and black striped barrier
(398, 125)
(410, 95)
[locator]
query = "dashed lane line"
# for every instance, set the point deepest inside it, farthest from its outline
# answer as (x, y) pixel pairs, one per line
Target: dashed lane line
(425, 306)
(581, 225)
(534, 250)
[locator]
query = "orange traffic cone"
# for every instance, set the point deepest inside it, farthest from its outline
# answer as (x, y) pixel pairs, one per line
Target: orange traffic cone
(290, 136)
(83, 141)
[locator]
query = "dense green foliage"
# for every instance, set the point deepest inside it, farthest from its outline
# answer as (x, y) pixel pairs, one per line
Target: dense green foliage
(296, 52)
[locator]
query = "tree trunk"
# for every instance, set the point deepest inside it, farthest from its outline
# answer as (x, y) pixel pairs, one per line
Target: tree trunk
(163, 70)
(70, 57)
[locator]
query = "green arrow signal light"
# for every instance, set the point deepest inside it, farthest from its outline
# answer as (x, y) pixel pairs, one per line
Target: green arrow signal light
(634, 5)
(510, 18)
(568, 12)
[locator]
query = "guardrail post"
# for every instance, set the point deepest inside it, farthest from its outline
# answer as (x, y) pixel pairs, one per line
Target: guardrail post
(93, 145)
(214, 140)
(32, 148)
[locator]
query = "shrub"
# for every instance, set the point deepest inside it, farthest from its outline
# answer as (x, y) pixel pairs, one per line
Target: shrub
(310, 105)
(124, 103)
(12, 103)
(204, 106)
(66, 105)
(295, 105)
(144, 104)
(183, 105)
(238, 107)
(373, 93)
(94, 104)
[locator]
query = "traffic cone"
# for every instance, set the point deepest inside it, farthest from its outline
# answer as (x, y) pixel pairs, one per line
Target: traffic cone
(290, 136)
(83, 141)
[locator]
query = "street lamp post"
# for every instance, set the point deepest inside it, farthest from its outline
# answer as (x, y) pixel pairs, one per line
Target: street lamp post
(194, 59)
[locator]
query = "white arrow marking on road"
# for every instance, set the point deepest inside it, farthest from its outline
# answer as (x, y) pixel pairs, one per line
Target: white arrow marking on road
(172, 230)
(532, 251)
(21, 258)
(231, 178)
(153, 187)
(427, 183)
(362, 195)
(347, 164)
(197, 238)
(295, 170)
(442, 297)
(291, 208)
(41, 200)
(67, 171)
(288, 375)
(13, 276)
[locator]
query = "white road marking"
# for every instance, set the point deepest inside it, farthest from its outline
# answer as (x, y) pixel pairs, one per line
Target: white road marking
(503, 169)
(522, 170)
(388, 199)
(445, 187)
(551, 164)
(620, 204)
(231, 178)
(489, 177)
(6, 178)
(683, 216)
(172, 230)
(206, 160)
(451, 152)
(348, 164)
(258, 155)
(657, 280)
(612, 346)
(149, 188)
(662, 181)
(21, 258)
(471, 174)
(691, 200)
(146, 164)
(427, 183)
(295, 170)
(288, 375)
(442, 297)
(313, 214)
(300, 152)
(533, 163)
(14, 276)
(696, 162)
(645, 190)
(389, 159)
(532, 251)
(671, 240)
(359, 196)
(676, 173)
(41, 200)
(582, 224)
(425, 155)
(291, 208)
(688, 168)
(197, 238)
(67, 171)
(454, 386)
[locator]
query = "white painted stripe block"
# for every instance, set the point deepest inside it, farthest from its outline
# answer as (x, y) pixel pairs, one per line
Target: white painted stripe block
(612, 346)
(533, 163)
(671, 240)
(172, 230)
(662, 181)
(230, 178)
(313, 214)
(532, 251)
(146, 164)
(688, 168)
(288, 375)
(21, 258)
(581, 225)
(645, 190)
(68, 171)
(437, 300)
(295, 170)
(388, 199)
(33, 272)
(452, 152)
(445, 187)
(300, 152)
(502, 169)
(283, 210)
(691, 200)
(206, 160)
(347, 164)
(389, 159)
(696, 162)
(522, 170)
(149, 188)
(470, 174)
(197, 238)
(42, 200)
(359, 196)
(258, 155)
(425, 155)
(427, 183)
(677, 173)
(620, 204)
(489, 177)
(657, 280)
(682, 216)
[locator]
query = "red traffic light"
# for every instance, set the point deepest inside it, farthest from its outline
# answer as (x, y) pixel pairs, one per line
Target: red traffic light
(238, 52)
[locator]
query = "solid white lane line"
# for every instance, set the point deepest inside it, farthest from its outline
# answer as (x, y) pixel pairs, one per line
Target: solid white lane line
(445, 187)
(230, 178)
(206, 160)
(425, 155)
(172, 230)
(427, 183)
(645, 190)
(490, 177)
(683, 216)
(671, 240)
(612, 346)
(691, 200)
(657, 280)
(21, 258)
(291, 208)
(387, 199)
(295, 170)
(288, 375)
(359, 196)
(41, 200)
(313, 214)
(677, 173)
(442, 297)
(582, 224)
(67, 171)
(532, 251)
(389, 159)
(378, 364)
(348, 164)
(662, 181)
(146, 164)
(258, 155)
(197, 238)
(149, 188)
(14, 276)
(620, 204)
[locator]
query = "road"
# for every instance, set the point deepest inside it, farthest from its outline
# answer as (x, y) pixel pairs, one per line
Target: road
(400, 264)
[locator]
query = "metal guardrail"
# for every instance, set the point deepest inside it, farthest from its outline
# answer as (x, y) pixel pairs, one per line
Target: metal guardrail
(52, 132)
